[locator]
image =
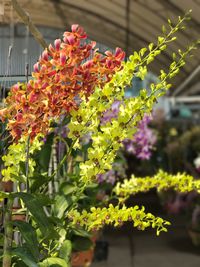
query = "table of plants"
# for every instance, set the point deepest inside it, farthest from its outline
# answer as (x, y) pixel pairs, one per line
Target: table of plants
(62, 133)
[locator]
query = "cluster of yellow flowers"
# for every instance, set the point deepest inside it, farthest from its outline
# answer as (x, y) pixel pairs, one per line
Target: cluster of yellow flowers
(107, 138)
(17, 155)
(180, 182)
(96, 218)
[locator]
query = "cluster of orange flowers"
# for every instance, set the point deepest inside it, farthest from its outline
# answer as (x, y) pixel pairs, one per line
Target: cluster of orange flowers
(70, 69)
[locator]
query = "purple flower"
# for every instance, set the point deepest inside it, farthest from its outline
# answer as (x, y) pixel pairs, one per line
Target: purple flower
(111, 113)
(144, 139)
(118, 171)
(108, 177)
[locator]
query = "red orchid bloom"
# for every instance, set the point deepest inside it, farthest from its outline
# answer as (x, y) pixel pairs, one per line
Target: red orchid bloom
(69, 69)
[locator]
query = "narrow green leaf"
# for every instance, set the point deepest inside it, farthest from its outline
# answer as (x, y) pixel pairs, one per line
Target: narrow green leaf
(67, 188)
(80, 232)
(35, 207)
(25, 256)
(37, 181)
(43, 156)
(61, 204)
(80, 243)
(65, 250)
(54, 262)
(29, 236)
(4, 195)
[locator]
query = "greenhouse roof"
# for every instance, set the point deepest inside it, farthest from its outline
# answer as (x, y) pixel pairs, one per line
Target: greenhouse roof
(129, 24)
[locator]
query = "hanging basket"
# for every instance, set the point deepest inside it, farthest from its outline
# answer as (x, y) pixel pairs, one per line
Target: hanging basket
(82, 258)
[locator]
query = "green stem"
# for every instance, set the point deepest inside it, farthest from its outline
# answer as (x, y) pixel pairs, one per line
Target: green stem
(27, 163)
(63, 160)
(7, 256)
(27, 171)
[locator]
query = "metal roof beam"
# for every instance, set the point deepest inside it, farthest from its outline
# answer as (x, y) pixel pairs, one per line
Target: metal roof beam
(182, 86)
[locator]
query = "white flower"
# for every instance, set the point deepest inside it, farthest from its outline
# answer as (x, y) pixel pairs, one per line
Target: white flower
(197, 162)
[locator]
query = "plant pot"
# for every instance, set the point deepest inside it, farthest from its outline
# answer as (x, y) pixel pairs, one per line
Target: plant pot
(17, 215)
(195, 237)
(82, 258)
(7, 186)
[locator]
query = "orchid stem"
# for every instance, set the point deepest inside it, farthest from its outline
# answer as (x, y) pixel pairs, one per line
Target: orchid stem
(7, 255)
(27, 169)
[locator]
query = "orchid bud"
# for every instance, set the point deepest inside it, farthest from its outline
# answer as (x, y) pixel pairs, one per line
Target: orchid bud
(57, 43)
(44, 85)
(19, 116)
(62, 59)
(36, 67)
(109, 63)
(16, 87)
(119, 53)
(51, 48)
(43, 68)
(45, 55)
(69, 39)
(74, 27)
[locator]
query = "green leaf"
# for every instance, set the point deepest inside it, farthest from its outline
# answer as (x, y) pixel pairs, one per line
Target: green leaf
(22, 167)
(37, 181)
(54, 262)
(25, 256)
(80, 232)
(61, 204)
(4, 195)
(44, 199)
(18, 178)
(43, 156)
(29, 236)
(67, 188)
(65, 250)
(93, 186)
(80, 243)
(35, 207)
(18, 263)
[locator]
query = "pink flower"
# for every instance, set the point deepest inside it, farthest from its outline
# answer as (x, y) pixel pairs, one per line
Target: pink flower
(57, 43)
